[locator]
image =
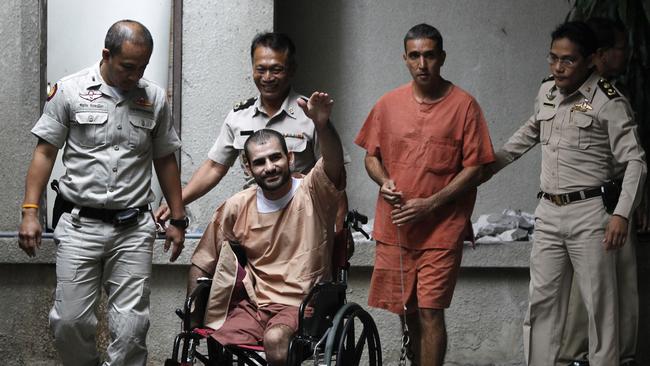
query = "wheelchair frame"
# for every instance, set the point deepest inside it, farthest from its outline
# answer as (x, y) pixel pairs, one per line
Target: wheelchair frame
(330, 330)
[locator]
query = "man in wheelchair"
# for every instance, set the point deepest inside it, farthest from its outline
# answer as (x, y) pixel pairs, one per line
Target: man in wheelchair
(285, 227)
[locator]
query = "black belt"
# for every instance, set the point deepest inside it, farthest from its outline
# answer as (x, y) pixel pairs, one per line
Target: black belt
(566, 198)
(104, 214)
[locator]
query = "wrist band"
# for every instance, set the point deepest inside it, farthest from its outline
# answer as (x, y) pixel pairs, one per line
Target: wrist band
(30, 205)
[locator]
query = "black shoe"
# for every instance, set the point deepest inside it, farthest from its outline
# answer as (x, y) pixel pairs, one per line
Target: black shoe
(579, 363)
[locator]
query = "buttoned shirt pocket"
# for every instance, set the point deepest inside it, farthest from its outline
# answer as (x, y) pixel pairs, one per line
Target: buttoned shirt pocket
(546, 118)
(580, 130)
(140, 132)
(88, 129)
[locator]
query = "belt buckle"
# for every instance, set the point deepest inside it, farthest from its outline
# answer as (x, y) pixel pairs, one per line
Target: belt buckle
(555, 199)
(559, 199)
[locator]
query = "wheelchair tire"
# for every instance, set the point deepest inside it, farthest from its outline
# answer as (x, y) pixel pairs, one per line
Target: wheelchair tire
(353, 331)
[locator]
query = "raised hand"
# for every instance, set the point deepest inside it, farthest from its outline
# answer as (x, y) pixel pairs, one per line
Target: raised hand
(318, 108)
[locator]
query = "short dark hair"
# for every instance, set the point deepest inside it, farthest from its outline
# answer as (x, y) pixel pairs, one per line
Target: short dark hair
(127, 30)
(278, 42)
(261, 137)
(579, 33)
(424, 31)
(605, 30)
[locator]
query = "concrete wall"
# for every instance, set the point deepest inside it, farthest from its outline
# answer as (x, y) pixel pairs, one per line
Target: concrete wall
(216, 75)
(19, 100)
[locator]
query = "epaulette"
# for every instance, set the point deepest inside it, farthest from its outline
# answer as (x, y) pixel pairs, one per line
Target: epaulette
(244, 104)
(608, 88)
(548, 78)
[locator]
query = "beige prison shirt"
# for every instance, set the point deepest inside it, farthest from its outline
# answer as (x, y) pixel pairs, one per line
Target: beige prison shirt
(108, 140)
(584, 137)
(288, 251)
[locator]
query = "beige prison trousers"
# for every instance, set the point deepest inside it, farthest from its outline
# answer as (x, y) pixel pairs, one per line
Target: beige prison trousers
(92, 254)
(568, 240)
(575, 341)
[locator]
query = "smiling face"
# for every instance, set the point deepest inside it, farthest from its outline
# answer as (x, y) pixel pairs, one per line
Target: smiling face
(424, 59)
(272, 74)
(569, 68)
(269, 166)
(124, 69)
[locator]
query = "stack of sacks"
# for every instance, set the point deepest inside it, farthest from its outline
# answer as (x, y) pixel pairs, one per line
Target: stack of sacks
(510, 225)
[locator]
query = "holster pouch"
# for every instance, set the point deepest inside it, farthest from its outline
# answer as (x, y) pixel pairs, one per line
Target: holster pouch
(127, 217)
(611, 193)
(59, 204)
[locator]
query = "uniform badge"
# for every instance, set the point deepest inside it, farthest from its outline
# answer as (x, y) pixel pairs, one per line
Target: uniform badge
(91, 95)
(582, 107)
(551, 93)
(52, 90)
(608, 88)
(143, 102)
(290, 110)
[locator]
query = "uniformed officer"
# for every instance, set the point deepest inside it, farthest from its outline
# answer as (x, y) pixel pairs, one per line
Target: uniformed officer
(585, 127)
(112, 124)
(276, 107)
(609, 60)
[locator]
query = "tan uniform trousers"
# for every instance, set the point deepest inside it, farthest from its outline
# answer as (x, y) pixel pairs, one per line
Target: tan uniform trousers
(575, 341)
(92, 254)
(569, 239)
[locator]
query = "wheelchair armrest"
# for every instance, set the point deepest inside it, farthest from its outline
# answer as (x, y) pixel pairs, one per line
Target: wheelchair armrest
(195, 304)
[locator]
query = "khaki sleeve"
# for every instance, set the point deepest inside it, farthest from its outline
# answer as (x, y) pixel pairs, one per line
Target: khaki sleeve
(223, 151)
(626, 149)
(165, 139)
(54, 124)
(526, 137)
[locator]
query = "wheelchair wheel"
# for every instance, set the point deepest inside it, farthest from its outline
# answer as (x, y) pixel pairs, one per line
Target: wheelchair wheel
(353, 335)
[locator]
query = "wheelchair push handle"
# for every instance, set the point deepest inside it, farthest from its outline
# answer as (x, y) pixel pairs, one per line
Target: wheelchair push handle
(354, 220)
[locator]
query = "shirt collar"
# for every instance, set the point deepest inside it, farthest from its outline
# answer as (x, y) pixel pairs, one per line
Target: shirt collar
(588, 88)
(95, 81)
(289, 105)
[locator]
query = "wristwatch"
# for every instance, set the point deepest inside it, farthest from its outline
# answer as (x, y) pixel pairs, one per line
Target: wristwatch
(180, 223)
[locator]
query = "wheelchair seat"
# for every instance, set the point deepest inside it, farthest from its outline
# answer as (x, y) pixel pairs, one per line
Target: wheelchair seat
(331, 331)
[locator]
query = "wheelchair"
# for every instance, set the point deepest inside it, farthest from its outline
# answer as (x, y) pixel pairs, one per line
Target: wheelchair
(331, 331)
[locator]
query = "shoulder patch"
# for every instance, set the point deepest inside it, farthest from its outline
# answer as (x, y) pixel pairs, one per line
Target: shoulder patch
(608, 88)
(244, 104)
(52, 90)
(548, 78)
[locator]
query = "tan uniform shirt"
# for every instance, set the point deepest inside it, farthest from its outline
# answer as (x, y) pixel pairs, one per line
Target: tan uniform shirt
(288, 251)
(250, 116)
(109, 140)
(290, 120)
(584, 136)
